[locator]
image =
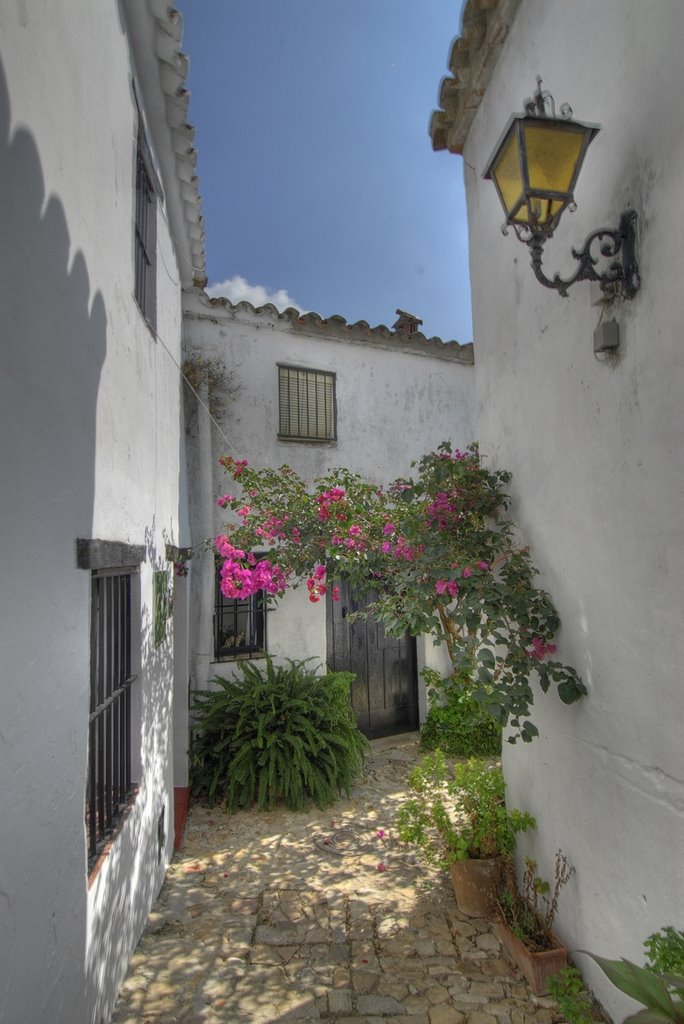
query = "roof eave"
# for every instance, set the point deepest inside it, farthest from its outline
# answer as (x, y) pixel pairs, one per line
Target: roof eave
(155, 34)
(337, 328)
(472, 58)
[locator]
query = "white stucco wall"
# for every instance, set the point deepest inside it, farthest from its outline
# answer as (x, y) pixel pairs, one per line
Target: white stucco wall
(90, 412)
(393, 406)
(596, 451)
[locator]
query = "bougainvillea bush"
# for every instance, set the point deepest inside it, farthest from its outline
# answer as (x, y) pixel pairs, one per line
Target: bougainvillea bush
(437, 550)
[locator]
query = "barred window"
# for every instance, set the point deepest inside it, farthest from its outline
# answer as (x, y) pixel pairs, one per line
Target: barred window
(239, 625)
(307, 404)
(145, 238)
(109, 748)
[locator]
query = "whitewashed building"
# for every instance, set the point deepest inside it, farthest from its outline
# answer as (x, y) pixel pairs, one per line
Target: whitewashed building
(595, 441)
(100, 231)
(315, 394)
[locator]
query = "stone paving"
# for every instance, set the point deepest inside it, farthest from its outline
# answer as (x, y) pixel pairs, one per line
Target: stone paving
(319, 916)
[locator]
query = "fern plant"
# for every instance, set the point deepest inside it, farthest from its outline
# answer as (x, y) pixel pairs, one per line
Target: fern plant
(282, 732)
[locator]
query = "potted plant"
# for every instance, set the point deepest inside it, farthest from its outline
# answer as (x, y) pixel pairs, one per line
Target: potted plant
(525, 927)
(459, 820)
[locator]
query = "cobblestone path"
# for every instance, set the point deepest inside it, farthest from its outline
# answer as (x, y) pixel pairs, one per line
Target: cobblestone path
(320, 916)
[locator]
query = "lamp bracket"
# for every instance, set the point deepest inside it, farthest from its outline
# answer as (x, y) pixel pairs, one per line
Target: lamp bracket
(542, 101)
(622, 275)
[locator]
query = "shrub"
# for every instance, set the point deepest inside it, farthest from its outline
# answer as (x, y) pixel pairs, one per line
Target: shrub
(278, 733)
(456, 723)
(459, 811)
(665, 949)
(574, 1001)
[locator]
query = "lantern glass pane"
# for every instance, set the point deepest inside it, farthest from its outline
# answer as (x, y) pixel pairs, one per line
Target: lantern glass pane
(506, 173)
(539, 211)
(552, 155)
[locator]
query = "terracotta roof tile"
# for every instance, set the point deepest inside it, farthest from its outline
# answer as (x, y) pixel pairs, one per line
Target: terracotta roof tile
(359, 333)
(173, 69)
(472, 59)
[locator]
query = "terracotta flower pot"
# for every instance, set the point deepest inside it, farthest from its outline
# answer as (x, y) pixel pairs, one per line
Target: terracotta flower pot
(475, 885)
(536, 967)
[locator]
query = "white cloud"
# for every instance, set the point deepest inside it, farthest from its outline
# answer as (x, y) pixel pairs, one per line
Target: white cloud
(237, 289)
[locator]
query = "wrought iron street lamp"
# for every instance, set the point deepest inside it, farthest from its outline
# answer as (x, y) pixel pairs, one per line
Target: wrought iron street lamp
(535, 166)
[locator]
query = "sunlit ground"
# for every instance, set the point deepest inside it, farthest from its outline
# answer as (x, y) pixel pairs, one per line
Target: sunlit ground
(277, 916)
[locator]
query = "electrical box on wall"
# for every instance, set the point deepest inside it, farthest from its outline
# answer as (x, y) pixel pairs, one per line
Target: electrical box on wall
(607, 337)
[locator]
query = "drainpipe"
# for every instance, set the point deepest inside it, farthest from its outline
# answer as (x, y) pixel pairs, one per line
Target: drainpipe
(203, 564)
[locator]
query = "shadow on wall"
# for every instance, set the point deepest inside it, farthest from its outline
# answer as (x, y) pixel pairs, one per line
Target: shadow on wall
(54, 335)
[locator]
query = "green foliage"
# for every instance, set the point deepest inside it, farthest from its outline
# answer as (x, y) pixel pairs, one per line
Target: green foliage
(162, 604)
(574, 1002)
(456, 724)
(279, 733)
(439, 551)
(659, 994)
(665, 951)
(460, 812)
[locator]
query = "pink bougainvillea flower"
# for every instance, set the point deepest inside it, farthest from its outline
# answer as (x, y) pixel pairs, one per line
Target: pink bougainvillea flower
(388, 529)
(452, 588)
(244, 511)
(440, 586)
(224, 500)
(540, 649)
(467, 572)
(386, 547)
(319, 572)
(380, 833)
(381, 867)
(233, 467)
(483, 565)
(225, 548)
(354, 531)
(335, 593)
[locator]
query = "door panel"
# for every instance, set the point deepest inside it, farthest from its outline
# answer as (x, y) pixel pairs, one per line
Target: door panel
(384, 694)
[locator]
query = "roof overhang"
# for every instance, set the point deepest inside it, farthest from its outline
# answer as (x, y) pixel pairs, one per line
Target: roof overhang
(472, 59)
(155, 32)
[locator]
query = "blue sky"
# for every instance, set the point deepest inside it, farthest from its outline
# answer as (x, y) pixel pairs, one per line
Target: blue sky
(319, 184)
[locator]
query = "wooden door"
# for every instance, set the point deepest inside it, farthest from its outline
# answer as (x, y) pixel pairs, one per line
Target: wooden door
(384, 693)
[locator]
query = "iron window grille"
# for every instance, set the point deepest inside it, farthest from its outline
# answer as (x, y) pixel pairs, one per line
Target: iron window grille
(145, 239)
(109, 748)
(239, 625)
(307, 404)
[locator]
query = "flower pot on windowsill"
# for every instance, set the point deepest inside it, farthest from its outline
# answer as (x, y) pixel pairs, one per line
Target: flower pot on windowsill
(475, 883)
(537, 967)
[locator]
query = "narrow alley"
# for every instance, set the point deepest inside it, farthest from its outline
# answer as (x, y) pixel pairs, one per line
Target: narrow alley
(322, 915)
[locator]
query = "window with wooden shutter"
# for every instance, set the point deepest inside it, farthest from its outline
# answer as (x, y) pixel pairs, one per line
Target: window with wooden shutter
(307, 404)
